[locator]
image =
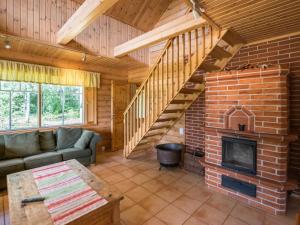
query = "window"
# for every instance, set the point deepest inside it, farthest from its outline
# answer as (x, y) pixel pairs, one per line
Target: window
(19, 105)
(61, 105)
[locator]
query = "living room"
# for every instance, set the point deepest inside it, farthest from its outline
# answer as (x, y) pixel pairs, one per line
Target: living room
(149, 112)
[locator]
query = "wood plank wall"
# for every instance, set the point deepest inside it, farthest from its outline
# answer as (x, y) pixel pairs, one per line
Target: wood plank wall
(41, 19)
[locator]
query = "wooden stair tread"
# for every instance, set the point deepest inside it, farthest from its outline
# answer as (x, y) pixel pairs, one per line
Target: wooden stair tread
(160, 127)
(196, 79)
(153, 135)
(232, 38)
(220, 53)
(189, 90)
(166, 119)
(180, 101)
(207, 67)
(167, 111)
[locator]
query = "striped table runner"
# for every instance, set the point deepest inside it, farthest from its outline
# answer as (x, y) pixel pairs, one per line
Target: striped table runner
(68, 197)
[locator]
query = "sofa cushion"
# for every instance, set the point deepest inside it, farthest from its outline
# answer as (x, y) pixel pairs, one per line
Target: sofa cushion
(67, 137)
(84, 140)
(74, 153)
(2, 147)
(47, 141)
(22, 145)
(11, 166)
(42, 159)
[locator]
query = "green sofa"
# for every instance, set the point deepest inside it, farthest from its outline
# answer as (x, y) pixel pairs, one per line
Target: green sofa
(25, 151)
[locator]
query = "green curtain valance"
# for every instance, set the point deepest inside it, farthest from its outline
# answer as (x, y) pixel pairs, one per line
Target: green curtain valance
(25, 72)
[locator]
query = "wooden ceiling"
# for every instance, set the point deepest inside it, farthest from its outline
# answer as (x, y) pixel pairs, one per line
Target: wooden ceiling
(141, 14)
(255, 20)
(31, 51)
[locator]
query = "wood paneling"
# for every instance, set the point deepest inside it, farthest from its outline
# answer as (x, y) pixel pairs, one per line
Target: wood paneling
(256, 19)
(137, 76)
(26, 50)
(86, 14)
(41, 19)
(142, 14)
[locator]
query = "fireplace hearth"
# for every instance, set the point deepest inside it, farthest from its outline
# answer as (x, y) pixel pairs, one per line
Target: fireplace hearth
(239, 154)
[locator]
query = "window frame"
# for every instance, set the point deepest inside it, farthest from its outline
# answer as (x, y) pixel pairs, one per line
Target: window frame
(39, 107)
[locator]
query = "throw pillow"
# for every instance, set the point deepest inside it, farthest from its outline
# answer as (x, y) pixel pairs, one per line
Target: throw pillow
(67, 137)
(84, 140)
(22, 145)
(47, 141)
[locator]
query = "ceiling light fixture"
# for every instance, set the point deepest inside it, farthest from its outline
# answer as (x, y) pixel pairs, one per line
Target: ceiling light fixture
(7, 44)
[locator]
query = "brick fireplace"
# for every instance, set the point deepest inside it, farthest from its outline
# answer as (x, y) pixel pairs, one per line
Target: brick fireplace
(248, 107)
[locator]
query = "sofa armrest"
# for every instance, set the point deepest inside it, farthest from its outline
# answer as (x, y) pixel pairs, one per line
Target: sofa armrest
(93, 146)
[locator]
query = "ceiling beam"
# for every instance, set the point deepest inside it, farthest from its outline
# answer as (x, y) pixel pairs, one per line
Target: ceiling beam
(164, 32)
(82, 18)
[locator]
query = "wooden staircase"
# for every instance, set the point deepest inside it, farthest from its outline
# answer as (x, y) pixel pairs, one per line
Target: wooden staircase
(173, 83)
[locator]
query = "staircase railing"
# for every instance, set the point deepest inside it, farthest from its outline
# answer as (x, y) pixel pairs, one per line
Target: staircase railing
(178, 61)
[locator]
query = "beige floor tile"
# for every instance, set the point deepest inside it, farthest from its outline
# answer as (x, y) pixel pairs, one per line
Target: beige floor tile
(154, 221)
(181, 186)
(153, 186)
(193, 221)
(172, 215)
(166, 179)
(119, 168)
(201, 194)
(234, 221)
(248, 214)
(153, 204)
(187, 204)
(140, 179)
(110, 164)
(143, 167)
(210, 215)
(129, 173)
(116, 178)
(125, 185)
(105, 173)
(191, 178)
(221, 202)
(153, 173)
(138, 194)
(126, 203)
(169, 194)
(135, 215)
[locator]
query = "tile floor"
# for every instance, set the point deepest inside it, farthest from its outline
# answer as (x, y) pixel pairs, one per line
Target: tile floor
(174, 196)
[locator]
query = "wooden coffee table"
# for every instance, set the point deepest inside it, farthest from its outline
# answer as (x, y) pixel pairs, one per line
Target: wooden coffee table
(21, 185)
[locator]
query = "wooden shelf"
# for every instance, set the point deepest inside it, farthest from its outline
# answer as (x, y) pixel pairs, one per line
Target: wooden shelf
(286, 186)
(279, 137)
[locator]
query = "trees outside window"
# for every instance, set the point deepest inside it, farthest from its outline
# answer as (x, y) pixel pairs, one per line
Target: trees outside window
(19, 105)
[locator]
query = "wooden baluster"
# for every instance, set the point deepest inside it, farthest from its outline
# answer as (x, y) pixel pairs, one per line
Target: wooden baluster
(172, 69)
(157, 88)
(178, 66)
(190, 51)
(148, 103)
(183, 58)
(203, 41)
(153, 95)
(211, 36)
(167, 83)
(145, 96)
(162, 83)
(197, 47)
(134, 122)
(130, 127)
